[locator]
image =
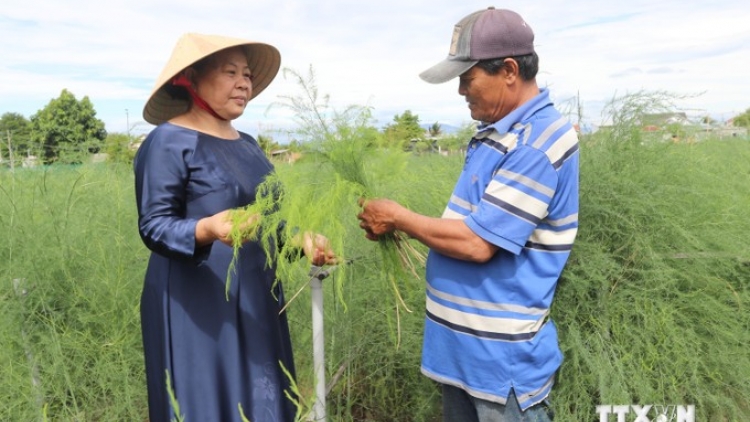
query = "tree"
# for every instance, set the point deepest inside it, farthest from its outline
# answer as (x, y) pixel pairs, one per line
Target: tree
(435, 130)
(14, 136)
(743, 120)
(404, 128)
(460, 139)
(267, 144)
(119, 148)
(67, 129)
(708, 120)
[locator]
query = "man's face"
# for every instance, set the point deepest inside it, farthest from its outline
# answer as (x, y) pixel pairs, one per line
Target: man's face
(487, 95)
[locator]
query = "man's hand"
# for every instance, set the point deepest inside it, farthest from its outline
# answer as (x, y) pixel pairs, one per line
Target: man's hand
(378, 217)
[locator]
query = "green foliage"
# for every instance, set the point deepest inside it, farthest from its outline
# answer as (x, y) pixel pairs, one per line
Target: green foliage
(67, 129)
(71, 271)
(267, 144)
(460, 139)
(119, 148)
(15, 139)
(373, 344)
(708, 120)
(742, 119)
(629, 113)
(17, 124)
(403, 130)
(435, 130)
(677, 130)
(347, 167)
(302, 408)
(295, 146)
(652, 308)
(320, 195)
(654, 301)
(173, 403)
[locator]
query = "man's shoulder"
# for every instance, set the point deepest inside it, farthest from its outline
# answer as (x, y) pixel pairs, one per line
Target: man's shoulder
(546, 127)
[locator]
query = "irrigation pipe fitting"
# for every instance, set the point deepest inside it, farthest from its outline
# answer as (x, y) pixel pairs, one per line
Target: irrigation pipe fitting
(317, 275)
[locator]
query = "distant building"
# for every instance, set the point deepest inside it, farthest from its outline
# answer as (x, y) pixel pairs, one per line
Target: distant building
(661, 120)
(677, 127)
(727, 131)
(286, 155)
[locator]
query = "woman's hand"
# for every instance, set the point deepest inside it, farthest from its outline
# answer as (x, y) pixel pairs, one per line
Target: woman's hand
(219, 227)
(317, 249)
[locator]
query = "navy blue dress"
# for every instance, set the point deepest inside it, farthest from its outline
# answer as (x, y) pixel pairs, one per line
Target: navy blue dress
(219, 354)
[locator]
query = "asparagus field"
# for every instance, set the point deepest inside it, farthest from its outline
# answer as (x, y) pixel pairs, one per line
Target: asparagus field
(653, 308)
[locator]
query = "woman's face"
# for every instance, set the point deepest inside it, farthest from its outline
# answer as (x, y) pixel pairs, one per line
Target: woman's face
(226, 83)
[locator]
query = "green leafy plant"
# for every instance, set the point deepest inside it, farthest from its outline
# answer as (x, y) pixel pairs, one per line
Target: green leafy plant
(346, 166)
(67, 129)
(179, 417)
(652, 308)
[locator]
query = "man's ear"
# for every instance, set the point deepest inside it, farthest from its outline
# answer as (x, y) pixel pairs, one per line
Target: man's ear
(511, 69)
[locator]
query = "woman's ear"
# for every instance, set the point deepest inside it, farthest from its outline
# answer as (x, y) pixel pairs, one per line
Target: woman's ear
(191, 75)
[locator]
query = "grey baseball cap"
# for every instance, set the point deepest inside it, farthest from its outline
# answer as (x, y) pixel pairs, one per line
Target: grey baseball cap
(486, 34)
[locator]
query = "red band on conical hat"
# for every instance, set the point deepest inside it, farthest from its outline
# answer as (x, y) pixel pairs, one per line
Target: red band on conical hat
(183, 81)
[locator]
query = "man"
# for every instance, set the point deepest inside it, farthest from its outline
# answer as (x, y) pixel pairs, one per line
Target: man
(499, 248)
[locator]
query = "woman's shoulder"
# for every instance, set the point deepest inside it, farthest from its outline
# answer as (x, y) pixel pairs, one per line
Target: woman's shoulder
(168, 139)
(173, 135)
(246, 136)
(168, 129)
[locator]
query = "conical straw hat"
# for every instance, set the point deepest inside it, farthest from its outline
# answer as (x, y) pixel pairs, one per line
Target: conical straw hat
(264, 61)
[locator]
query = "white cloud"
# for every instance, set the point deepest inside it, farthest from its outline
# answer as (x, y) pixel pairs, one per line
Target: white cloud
(370, 53)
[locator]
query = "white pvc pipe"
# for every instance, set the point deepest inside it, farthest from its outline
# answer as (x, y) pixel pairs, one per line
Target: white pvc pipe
(319, 407)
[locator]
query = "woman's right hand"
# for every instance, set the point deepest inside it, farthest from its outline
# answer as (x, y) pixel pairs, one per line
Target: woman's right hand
(219, 227)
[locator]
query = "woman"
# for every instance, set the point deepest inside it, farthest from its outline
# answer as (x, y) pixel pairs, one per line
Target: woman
(215, 355)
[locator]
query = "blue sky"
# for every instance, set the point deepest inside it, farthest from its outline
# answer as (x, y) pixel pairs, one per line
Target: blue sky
(370, 53)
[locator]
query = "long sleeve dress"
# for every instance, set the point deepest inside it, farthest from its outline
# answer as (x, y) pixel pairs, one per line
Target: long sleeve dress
(218, 354)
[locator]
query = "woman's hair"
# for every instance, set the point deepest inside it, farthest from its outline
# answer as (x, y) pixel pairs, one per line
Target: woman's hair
(203, 65)
(528, 65)
(177, 92)
(200, 68)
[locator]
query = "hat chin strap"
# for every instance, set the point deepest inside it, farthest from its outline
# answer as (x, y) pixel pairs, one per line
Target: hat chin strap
(183, 81)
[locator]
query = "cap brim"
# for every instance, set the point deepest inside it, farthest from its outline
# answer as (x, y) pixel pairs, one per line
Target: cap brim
(446, 70)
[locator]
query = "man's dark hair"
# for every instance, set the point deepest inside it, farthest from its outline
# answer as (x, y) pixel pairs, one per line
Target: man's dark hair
(528, 65)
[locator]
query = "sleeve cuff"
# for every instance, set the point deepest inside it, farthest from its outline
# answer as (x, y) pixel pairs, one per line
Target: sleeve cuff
(491, 237)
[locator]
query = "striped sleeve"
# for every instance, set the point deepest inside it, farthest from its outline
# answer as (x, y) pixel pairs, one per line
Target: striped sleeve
(516, 200)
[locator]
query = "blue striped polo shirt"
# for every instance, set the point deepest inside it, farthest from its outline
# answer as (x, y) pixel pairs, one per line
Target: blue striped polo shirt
(487, 328)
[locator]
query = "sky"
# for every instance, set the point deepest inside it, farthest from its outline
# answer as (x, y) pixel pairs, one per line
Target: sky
(371, 53)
